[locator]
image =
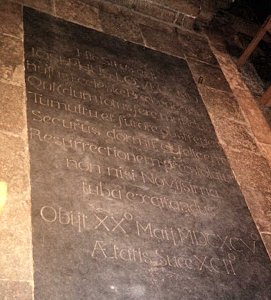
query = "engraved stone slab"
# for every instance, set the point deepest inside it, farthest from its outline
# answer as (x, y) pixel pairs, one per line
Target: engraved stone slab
(132, 196)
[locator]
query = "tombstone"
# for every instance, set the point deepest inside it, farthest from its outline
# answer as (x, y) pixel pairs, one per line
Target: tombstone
(132, 195)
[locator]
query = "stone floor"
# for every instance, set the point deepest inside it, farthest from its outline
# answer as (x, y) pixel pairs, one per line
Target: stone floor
(240, 124)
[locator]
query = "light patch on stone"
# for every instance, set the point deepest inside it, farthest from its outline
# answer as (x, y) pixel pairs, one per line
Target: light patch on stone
(3, 194)
(137, 291)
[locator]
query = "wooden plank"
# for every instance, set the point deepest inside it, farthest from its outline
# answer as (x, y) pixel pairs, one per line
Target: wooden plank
(254, 43)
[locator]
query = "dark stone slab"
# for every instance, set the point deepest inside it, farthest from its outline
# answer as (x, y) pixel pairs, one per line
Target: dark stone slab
(132, 196)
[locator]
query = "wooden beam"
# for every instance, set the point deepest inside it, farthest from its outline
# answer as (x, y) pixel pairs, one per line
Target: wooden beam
(254, 43)
(266, 97)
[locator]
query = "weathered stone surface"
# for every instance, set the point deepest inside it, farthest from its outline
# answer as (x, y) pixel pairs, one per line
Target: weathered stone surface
(208, 75)
(208, 9)
(16, 245)
(78, 12)
(189, 7)
(12, 105)
(221, 104)
(251, 111)
(259, 204)
(14, 165)
(149, 8)
(252, 171)
(234, 135)
(267, 241)
(217, 43)
(266, 151)
(11, 18)
(114, 129)
(11, 60)
(149, 22)
(178, 43)
(180, 19)
(229, 123)
(196, 46)
(266, 112)
(121, 26)
(133, 18)
(163, 41)
(253, 114)
(230, 71)
(97, 3)
(160, 13)
(17, 290)
(188, 22)
(252, 80)
(44, 5)
(15, 227)
(162, 9)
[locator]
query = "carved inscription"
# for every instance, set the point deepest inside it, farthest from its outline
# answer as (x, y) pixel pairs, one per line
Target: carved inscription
(127, 173)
